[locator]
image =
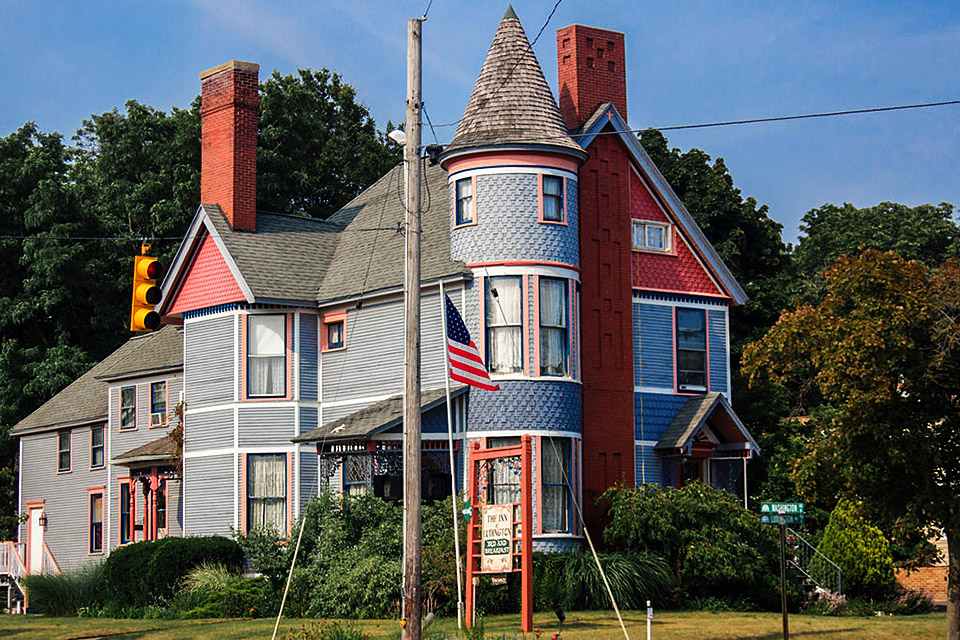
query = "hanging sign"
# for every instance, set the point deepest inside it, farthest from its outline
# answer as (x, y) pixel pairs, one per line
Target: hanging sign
(497, 533)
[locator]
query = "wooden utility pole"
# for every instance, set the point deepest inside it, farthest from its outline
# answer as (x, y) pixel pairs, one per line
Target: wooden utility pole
(411, 418)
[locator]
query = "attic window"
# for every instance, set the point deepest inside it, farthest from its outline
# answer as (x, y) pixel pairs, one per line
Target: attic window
(651, 236)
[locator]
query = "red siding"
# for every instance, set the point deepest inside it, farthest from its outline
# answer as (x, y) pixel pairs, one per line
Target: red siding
(206, 282)
(606, 320)
(679, 271)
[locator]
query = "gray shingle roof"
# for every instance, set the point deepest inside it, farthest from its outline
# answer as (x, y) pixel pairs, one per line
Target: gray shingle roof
(511, 102)
(370, 253)
(162, 448)
(695, 413)
(377, 417)
(85, 399)
(286, 257)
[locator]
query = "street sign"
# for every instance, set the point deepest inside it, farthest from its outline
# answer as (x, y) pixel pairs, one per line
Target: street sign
(786, 518)
(781, 507)
(781, 513)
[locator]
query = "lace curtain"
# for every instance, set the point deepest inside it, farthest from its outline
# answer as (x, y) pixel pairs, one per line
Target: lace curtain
(265, 369)
(553, 327)
(556, 473)
(504, 325)
(267, 492)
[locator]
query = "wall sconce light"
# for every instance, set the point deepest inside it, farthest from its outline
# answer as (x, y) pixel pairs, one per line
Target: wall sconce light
(43, 521)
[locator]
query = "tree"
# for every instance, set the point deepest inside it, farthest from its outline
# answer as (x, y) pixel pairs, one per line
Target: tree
(861, 551)
(318, 146)
(882, 349)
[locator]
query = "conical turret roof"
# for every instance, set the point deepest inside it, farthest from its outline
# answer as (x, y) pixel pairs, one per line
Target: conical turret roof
(511, 103)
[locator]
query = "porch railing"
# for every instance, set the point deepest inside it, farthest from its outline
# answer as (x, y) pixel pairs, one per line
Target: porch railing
(815, 566)
(11, 559)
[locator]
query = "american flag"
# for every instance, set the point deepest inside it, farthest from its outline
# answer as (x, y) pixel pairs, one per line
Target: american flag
(466, 365)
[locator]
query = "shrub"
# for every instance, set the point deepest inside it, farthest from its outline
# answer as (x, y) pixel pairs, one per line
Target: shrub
(66, 594)
(825, 602)
(573, 581)
(713, 546)
(147, 573)
(861, 551)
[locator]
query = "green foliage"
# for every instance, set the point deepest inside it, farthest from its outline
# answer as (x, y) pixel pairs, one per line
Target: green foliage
(66, 594)
(208, 576)
(325, 630)
(147, 573)
(573, 581)
(860, 550)
(713, 546)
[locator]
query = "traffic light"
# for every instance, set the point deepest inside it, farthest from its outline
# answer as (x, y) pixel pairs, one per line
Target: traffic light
(146, 293)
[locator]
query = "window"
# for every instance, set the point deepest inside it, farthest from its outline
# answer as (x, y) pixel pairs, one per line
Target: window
(335, 335)
(266, 356)
(96, 447)
(356, 474)
(126, 511)
(503, 482)
(552, 198)
(158, 404)
(267, 492)
(63, 451)
(651, 236)
(128, 408)
(555, 480)
(96, 523)
(553, 327)
(691, 350)
(465, 201)
(333, 331)
(161, 500)
(504, 324)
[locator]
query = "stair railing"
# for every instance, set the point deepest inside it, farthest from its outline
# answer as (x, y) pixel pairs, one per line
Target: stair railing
(808, 560)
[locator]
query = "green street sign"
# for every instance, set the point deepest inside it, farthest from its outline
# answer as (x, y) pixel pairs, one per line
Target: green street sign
(786, 518)
(781, 507)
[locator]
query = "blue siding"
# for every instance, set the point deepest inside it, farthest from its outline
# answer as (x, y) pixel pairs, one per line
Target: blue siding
(717, 329)
(435, 420)
(658, 411)
(649, 465)
(308, 419)
(527, 405)
(653, 356)
(308, 356)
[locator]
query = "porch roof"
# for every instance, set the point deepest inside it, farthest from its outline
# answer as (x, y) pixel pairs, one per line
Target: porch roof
(376, 418)
(159, 450)
(695, 413)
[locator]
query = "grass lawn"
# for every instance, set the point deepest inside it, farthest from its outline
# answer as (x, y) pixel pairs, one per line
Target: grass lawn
(586, 624)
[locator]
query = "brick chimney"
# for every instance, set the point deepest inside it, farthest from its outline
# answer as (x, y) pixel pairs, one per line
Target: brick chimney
(228, 165)
(591, 65)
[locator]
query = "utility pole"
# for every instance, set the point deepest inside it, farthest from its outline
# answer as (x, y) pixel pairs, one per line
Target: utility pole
(411, 418)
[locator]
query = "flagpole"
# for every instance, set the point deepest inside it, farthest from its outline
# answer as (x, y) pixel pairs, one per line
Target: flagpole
(453, 468)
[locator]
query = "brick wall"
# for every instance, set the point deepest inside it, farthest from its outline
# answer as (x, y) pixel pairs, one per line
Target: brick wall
(933, 579)
(591, 64)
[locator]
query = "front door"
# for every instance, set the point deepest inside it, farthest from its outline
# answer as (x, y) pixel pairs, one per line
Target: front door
(35, 541)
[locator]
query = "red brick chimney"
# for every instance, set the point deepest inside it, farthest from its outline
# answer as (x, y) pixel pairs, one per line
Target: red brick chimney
(228, 165)
(591, 64)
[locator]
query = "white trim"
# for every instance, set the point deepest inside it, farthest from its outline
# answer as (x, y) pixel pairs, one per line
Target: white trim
(557, 536)
(668, 391)
(295, 355)
(236, 357)
(21, 502)
(526, 169)
(361, 400)
(398, 437)
(639, 299)
(528, 269)
(226, 451)
(726, 327)
(519, 376)
(236, 467)
(645, 443)
(506, 433)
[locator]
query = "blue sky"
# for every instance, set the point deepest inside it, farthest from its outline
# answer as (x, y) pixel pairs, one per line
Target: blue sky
(687, 62)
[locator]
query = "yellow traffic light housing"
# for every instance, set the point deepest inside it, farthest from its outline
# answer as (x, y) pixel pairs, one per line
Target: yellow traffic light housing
(146, 294)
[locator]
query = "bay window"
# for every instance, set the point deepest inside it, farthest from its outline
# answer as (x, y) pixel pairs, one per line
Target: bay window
(504, 316)
(555, 484)
(266, 355)
(503, 481)
(691, 350)
(554, 343)
(267, 492)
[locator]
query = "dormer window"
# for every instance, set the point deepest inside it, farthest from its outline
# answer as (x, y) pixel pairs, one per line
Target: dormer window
(651, 236)
(465, 201)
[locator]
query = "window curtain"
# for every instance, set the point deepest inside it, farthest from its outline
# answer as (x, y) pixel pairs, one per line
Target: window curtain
(267, 357)
(556, 475)
(504, 325)
(553, 327)
(553, 198)
(267, 492)
(504, 483)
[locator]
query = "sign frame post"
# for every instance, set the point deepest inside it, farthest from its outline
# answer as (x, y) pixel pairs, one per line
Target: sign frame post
(521, 546)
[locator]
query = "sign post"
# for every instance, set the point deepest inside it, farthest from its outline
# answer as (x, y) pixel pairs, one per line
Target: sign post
(782, 514)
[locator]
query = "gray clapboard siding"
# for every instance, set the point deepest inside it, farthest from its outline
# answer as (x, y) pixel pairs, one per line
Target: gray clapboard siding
(123, 441)
(174, 508)
(208, 495)
(308, 419)
(308, 353)
(264, 426)
(209, 430)
(432, 348)
(372, 363)
(308, 476)
(209, 348)
(65, 495)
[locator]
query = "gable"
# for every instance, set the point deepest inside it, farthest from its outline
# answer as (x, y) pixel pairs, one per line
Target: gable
(678, 271)
(206, 282)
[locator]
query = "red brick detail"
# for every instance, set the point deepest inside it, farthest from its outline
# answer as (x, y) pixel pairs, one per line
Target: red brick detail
(678, 271)
(206, 282)
(933, 579)
(591, 65)
(228, 175)
(606, 321)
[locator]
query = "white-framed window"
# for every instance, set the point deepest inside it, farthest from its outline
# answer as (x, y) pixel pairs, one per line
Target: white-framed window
(128, 407)
(96, 447)
(267, 492)
(158, 403)
(64, 457)
(266, 355)
(651, 236)
(504, 319)
(95, 536)
(555, 500)
(464, 189)
(554, 337)
(691, 350)
(552, 195)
